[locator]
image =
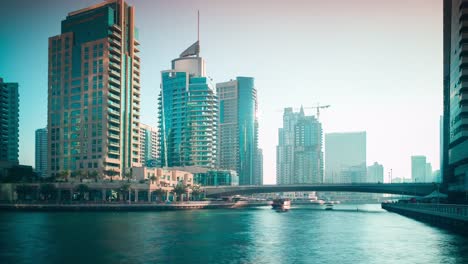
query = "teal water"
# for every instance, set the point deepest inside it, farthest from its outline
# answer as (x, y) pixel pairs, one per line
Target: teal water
(303, 235)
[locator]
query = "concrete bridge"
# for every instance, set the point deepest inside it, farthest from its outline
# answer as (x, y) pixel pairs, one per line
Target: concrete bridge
(414, 189)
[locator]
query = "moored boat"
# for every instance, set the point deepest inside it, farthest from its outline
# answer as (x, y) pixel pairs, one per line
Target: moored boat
(281, 204)
(328, 206)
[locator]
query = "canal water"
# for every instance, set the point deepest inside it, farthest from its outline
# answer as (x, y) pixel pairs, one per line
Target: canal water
(348, 234)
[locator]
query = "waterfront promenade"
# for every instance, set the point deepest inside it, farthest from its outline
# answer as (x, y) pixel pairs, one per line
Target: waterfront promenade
(452, 216)
(126, 206)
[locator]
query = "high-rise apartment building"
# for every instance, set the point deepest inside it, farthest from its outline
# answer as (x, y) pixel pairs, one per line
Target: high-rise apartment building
(187, 113)
(259, 167)
(299, 157)
(41, 152)
(9, 122)
(418, 168)
(375, 173)
(455, 94)
(94, 91)
(148, 146)
(238, 129)
(345, 157)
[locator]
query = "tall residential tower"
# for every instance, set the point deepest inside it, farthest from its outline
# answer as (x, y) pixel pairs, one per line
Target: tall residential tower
(187, 113)
(9, 122)
(238, 129)
(149, 153)
(94, 91)
(455, 94)
(41, 152)
(299, 156)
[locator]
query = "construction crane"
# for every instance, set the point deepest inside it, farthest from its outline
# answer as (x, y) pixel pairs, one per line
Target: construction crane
(318, 107)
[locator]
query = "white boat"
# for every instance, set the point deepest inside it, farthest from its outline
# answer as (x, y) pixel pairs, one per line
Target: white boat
(281, 205)
(328, 206)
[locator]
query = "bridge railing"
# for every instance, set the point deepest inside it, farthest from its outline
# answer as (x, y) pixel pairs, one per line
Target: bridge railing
(449, 209)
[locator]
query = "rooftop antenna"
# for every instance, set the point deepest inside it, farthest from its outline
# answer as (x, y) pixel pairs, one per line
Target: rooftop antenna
(198, 31)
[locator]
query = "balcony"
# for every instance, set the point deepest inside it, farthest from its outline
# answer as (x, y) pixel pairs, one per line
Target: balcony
(115, 43)
(114, 136)
(114, 81)
(114, 73)
(114, 128)
(114, 66)
(114, 89)
(114, 144)
(114, 50)
(114, 58)
(113, 96)
(114, 104)
(114, 120)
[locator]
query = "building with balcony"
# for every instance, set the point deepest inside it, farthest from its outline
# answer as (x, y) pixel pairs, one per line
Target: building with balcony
(149, 153)
(94, 91)
(299, 156)
(238, 129)
(455, 99)
(41, 152)
(375, 173)
(187, 113)
(9, 122)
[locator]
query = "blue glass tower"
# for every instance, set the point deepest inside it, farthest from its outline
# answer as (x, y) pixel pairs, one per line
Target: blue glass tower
(238, 130)
(187, 113)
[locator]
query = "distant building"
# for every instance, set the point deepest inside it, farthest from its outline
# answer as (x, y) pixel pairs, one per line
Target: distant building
(436, 177)
(428, 177)
(299, 156)
(41, 152)
(148, 145)
(345, 157)
(188, 111)
(375, 173)
(9, 122)
(238, 129)
(455, 98)
(418, 168)
(259, 167)
(94, 91)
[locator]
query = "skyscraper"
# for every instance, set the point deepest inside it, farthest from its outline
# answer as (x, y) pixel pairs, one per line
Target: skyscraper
(94, 91)
(238, 129)
(418, 168)
(375, 173)
(187, 113)
(149, 154)
(259, 167)
(345, 157)
(9, 122)
(299, 157)
(41, 152)
(455, 94)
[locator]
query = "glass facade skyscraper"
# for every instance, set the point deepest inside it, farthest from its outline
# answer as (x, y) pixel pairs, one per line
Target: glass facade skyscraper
(455, 93)
(94, 91)
(238, 129)
(9, 122)
(41, 152)
(299, 156)
(187, 113)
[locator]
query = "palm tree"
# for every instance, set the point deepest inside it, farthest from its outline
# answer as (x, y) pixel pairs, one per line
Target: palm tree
(111, 173)
(153, 179)
(125, 188)
(48, 190)
(64, 175)
(179, 189)
(159, 193)
(82, 189)
(94, 175)
(128, 174)
(196, 192)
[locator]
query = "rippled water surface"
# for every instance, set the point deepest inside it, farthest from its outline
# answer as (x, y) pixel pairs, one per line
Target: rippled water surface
(348, 234)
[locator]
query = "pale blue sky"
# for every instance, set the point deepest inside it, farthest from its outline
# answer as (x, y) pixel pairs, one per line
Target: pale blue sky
(377, 62)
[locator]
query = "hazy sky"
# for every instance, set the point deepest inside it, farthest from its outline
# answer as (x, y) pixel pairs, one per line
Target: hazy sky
(378, 63)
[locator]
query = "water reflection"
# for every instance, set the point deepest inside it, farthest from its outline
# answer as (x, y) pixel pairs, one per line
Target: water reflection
(303, 235)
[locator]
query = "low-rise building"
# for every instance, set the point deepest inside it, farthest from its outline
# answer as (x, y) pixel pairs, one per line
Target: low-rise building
(163, 177)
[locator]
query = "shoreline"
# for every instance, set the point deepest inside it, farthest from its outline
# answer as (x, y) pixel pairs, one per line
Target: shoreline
(124, 207)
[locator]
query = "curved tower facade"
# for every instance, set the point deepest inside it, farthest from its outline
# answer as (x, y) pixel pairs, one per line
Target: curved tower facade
(187, 113)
